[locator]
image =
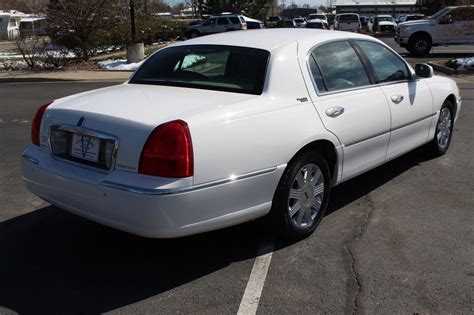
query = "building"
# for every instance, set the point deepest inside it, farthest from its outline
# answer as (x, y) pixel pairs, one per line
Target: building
(374, 7)
(10, 24)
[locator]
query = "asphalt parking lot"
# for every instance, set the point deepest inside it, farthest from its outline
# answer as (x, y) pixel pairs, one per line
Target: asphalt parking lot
(397, 239)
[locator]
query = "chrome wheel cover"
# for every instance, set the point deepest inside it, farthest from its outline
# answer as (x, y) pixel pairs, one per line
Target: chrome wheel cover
(443, 131)
(306, 195)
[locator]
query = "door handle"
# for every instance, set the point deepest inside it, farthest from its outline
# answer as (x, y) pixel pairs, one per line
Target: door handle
(397, 99)
(335, 111)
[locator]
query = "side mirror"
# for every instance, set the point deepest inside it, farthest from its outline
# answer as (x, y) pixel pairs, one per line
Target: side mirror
(423, 70)
(445, 19)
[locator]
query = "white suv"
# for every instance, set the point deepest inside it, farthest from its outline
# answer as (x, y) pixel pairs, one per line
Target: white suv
(450, 26)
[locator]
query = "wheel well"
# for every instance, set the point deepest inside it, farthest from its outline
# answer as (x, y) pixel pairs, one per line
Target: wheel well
(421, 33)
(452, 99)
(327, 149)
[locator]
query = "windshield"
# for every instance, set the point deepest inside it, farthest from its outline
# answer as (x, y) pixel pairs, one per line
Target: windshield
(317, 16)
(211, 67)
(299, 20)
(384, 18)
(440, 13)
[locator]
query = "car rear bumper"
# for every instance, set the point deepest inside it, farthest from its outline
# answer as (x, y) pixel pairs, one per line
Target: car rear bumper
(132, 202)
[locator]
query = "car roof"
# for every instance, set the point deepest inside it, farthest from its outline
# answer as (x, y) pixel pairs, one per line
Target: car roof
(270, 39)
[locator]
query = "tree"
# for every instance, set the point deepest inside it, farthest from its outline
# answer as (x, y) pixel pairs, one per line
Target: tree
(254, 8)
(81, 25)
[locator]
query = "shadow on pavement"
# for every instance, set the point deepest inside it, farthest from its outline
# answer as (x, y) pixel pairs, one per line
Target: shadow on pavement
(56, 262)
(362, 185)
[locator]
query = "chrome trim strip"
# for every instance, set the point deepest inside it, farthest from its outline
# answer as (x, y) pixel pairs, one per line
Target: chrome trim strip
(87, 132)
(391, 130)
(415, 121)
(185, 189)
(29, 158)
(367, 138)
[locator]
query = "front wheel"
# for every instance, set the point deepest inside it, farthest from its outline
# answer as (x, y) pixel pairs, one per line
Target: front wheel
(302, 196)
(444, 129)
(419, 44)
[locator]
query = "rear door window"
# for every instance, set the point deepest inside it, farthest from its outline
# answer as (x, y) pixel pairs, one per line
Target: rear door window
(340, 66)
(222, 21)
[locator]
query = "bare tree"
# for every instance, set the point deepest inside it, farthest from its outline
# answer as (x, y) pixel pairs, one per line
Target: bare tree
(80, 24)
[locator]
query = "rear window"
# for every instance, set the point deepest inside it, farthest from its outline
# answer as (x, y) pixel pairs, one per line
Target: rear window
(348, 17)
(211, 67)
(234, 20)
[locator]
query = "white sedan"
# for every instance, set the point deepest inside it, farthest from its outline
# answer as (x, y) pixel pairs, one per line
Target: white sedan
(224, 129)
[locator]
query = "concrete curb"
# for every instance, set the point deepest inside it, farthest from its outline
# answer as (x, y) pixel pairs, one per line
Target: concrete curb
(448, 70)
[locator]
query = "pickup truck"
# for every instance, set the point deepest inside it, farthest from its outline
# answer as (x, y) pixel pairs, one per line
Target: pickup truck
(450, 26)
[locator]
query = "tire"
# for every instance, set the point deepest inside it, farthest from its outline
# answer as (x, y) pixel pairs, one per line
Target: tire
(444, 130)
(419, 44)
(296, 215)
(194, 34)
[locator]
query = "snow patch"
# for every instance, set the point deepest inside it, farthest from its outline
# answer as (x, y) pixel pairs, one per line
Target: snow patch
(119, 64)
(462, 63)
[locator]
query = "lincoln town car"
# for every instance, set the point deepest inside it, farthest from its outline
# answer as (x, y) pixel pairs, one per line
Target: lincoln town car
(223, 129)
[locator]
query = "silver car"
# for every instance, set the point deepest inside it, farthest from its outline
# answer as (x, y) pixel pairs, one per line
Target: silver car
(217, 24)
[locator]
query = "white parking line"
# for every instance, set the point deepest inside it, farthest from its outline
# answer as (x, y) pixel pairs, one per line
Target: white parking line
(253, 291)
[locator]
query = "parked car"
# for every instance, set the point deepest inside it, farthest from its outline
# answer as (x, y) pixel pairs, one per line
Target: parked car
(347, 22)
(216, 24)
(410, 17)
(363, 22)
(316, 23)
(287, 23)
(223, 129)
(381, 24)
(300, 22)
(450, 26)
(273, 21)
(317, 16)
(253, 23)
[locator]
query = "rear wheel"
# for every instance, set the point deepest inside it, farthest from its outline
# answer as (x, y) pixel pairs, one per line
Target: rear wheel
(444, 129)
(419, 44)
(193, 34)
(302, 196)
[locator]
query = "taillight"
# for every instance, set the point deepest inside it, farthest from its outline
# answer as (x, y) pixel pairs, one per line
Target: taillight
(168, 152)
(35, 126)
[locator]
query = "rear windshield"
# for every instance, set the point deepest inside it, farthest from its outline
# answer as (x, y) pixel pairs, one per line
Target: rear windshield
(348, 17)
(211, 67)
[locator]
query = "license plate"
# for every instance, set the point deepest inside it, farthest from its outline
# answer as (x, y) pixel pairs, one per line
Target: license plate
(85, 147)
